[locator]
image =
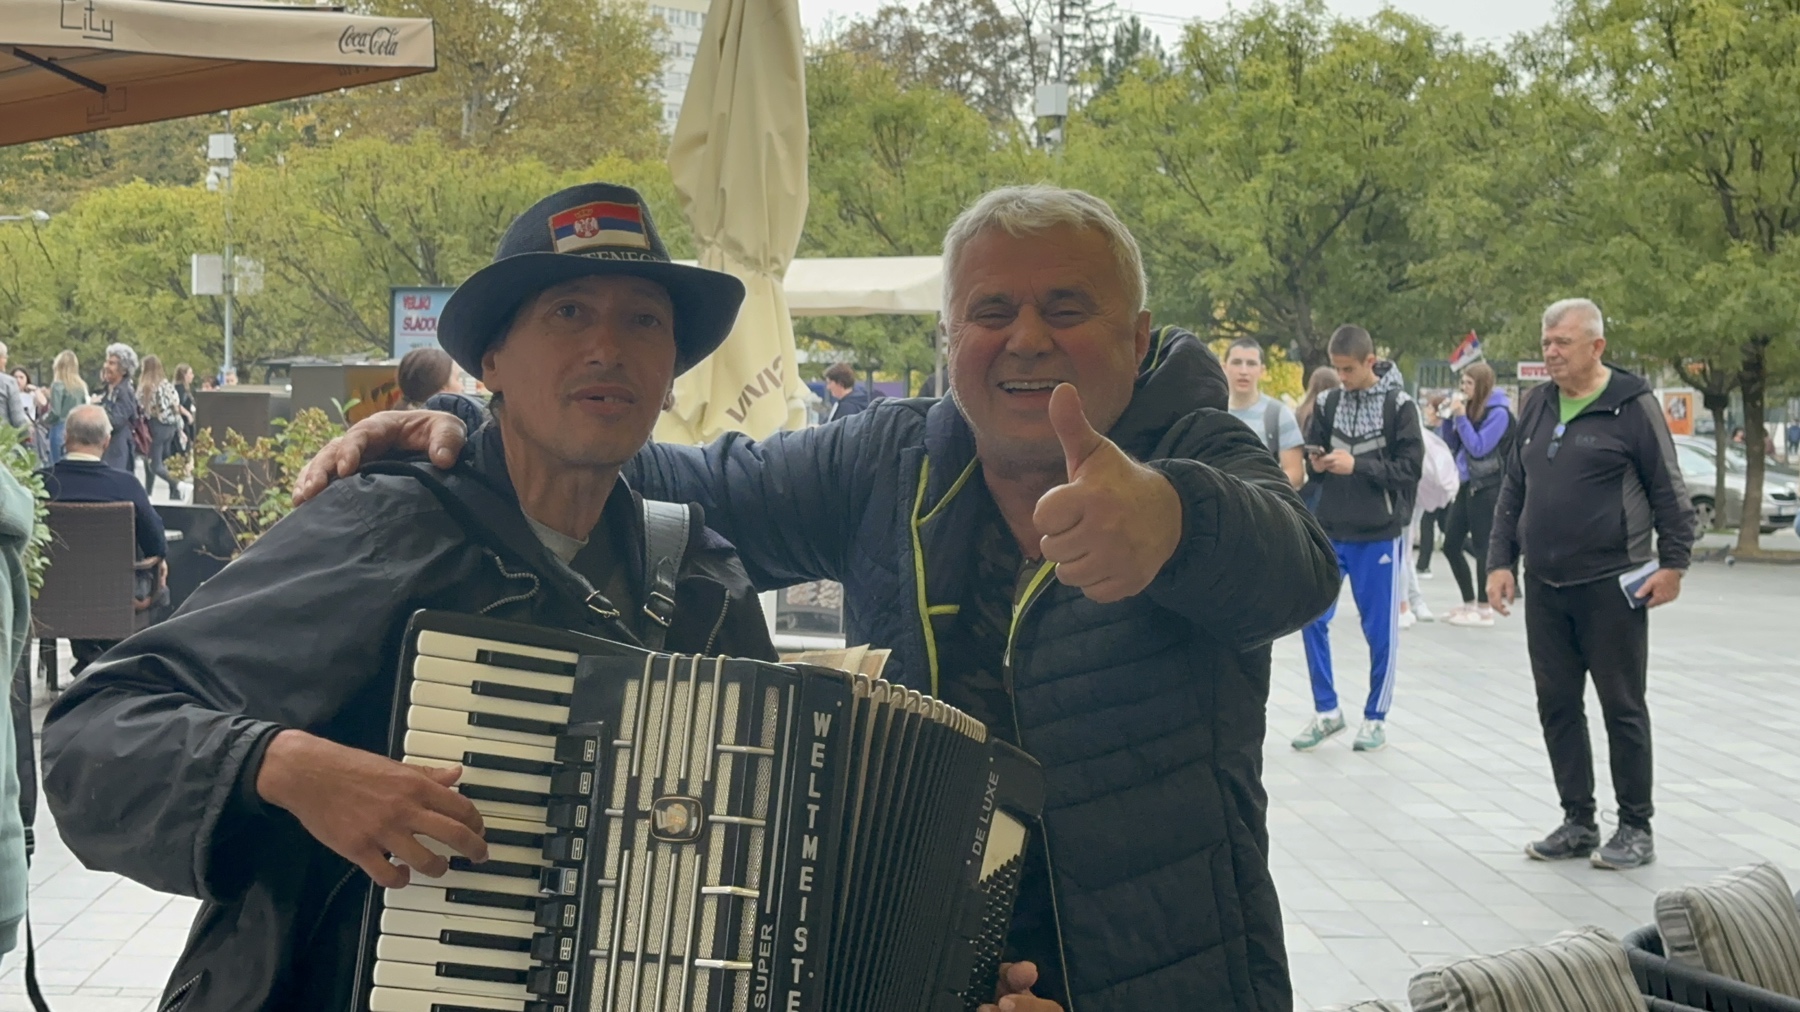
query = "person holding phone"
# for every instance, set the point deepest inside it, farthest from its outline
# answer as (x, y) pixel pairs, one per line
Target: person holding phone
(1365, 449)
(1591, 480)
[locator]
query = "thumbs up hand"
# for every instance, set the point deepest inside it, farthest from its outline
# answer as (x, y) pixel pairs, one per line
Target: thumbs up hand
(1116, 523)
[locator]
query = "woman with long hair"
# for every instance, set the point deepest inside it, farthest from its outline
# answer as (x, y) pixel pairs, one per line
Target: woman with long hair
(184, 392)
(67, 392)
(1479, 431)
(162, 409)
(1324, 379)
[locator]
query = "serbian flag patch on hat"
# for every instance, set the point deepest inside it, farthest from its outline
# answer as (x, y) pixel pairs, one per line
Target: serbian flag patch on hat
(601, 223)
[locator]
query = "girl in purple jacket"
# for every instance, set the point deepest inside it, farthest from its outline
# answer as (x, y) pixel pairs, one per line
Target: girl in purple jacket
(1479, 431)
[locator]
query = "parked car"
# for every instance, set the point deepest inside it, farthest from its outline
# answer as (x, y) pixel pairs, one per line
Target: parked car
(1781, 496)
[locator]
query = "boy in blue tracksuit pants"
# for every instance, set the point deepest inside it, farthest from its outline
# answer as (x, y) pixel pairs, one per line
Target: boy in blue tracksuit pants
(1370, 452)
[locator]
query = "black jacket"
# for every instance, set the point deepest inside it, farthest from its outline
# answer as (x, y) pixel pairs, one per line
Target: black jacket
(152, 755)
(1588, 514)
(853, 403)
(1375, 501)
(1147, 714)
(93, 481)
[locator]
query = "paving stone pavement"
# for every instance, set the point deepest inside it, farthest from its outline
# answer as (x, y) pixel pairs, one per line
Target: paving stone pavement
(1385, 862)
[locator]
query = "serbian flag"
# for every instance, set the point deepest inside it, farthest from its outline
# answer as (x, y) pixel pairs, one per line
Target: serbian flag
(601, 223)
(1467, 353)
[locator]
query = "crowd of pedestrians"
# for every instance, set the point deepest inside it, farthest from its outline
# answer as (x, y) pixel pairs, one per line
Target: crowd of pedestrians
(149, 411)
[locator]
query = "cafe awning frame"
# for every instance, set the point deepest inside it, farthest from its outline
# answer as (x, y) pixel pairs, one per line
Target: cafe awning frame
(71, 66)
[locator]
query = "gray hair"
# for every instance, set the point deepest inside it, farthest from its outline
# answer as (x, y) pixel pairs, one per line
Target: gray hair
(1586, 314)
(128, 359)
(87, 425)
(1038, 208)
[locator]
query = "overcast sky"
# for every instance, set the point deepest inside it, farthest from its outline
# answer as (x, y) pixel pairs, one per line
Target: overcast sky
(1476, 19)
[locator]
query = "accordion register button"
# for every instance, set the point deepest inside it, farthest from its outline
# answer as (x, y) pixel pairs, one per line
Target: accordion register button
(559, 881)
(572, 748)
(547, 980)
(567, 815)
(548, 948)
(577, 782)
(565, 847)
(555, 914)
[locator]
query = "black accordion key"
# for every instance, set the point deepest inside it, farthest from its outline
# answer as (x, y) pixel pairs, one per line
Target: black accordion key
(477, 940)
(491, 974)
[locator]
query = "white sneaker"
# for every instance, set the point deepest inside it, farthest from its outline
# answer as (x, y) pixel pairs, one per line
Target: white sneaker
(1424, 614)
(1426, 574)
(1408, 620)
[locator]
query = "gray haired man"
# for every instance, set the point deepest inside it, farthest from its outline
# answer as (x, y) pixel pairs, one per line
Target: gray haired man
(1082, 549)
(1590, 478)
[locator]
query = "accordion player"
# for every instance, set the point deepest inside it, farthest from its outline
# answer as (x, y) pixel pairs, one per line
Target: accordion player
(682, 832)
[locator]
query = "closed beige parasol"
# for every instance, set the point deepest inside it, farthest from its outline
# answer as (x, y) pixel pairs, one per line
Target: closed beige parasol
(70, 66)
(739, 162)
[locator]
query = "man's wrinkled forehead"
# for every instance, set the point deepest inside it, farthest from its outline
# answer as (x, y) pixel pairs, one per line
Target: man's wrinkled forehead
(1039, 268)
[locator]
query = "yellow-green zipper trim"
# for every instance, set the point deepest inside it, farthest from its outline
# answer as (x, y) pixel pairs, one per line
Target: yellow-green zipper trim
(926, 609)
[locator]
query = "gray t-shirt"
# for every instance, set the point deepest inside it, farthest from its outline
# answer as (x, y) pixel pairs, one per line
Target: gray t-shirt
(1287, 429)
(560, 545)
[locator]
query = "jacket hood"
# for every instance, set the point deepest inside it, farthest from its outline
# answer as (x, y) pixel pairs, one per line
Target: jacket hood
(1178, 376)
(1498, 399)
(18, 510)
(1387, 377)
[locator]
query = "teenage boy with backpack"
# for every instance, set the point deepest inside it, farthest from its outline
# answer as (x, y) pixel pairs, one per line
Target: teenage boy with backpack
(1366, 451)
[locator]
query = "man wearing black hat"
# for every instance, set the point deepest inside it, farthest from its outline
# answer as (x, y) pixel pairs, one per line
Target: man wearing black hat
(236, 752)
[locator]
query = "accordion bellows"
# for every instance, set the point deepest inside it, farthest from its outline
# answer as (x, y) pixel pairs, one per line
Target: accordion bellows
(684, 833)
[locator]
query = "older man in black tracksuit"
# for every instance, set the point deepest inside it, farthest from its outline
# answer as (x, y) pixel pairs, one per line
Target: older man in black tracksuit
(1591, 476)
(1106, 602)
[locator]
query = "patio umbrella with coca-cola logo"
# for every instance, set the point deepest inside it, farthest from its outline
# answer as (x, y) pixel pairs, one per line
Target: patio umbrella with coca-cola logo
(70, 66)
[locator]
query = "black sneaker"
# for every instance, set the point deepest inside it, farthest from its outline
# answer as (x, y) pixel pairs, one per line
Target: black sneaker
(1630, 847)
(1571, 839)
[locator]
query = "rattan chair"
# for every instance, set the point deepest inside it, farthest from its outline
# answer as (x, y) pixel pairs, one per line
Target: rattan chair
(93, 586)
(1690, 987)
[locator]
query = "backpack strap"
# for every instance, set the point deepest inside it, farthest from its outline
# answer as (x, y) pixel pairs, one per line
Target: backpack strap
(1272, 427)
(666, 528)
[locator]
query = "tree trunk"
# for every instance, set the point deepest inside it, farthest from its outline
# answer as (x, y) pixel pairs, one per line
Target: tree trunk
(1753, 383)
(1721, 441)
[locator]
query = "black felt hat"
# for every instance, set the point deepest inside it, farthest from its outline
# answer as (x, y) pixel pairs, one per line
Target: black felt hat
(594, 228)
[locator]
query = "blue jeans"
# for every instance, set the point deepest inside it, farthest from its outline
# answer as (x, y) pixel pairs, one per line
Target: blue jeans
(56, 443)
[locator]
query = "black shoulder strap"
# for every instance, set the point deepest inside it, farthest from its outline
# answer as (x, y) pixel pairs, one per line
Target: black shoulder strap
(666, 528)
(1390, 408)
(498, 524)
(1272, 426)
(1328, 408)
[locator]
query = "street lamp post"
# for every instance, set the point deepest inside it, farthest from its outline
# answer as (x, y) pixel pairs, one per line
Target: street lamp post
(221, 151)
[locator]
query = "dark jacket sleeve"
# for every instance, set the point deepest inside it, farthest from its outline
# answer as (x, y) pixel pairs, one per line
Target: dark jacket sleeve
(1252, 564)
(160, 740)
(1398, 468)
(789, 503)
(1660, 471)
(1503, 543)
(151, 541)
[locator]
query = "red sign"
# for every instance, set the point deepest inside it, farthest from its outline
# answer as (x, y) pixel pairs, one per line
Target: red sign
(1529, 371)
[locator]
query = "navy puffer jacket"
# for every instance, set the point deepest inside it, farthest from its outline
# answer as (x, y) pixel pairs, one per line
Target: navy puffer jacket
(1147, 714)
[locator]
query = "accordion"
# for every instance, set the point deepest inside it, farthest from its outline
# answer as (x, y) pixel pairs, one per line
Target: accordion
(675, 832)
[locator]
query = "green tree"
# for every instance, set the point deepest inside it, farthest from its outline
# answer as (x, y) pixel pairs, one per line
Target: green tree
(1272, 168)
(891, 167)
(1706, 197)
(564, 83)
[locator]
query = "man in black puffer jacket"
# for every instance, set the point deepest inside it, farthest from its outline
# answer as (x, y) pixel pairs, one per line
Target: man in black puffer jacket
(1105, 602)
